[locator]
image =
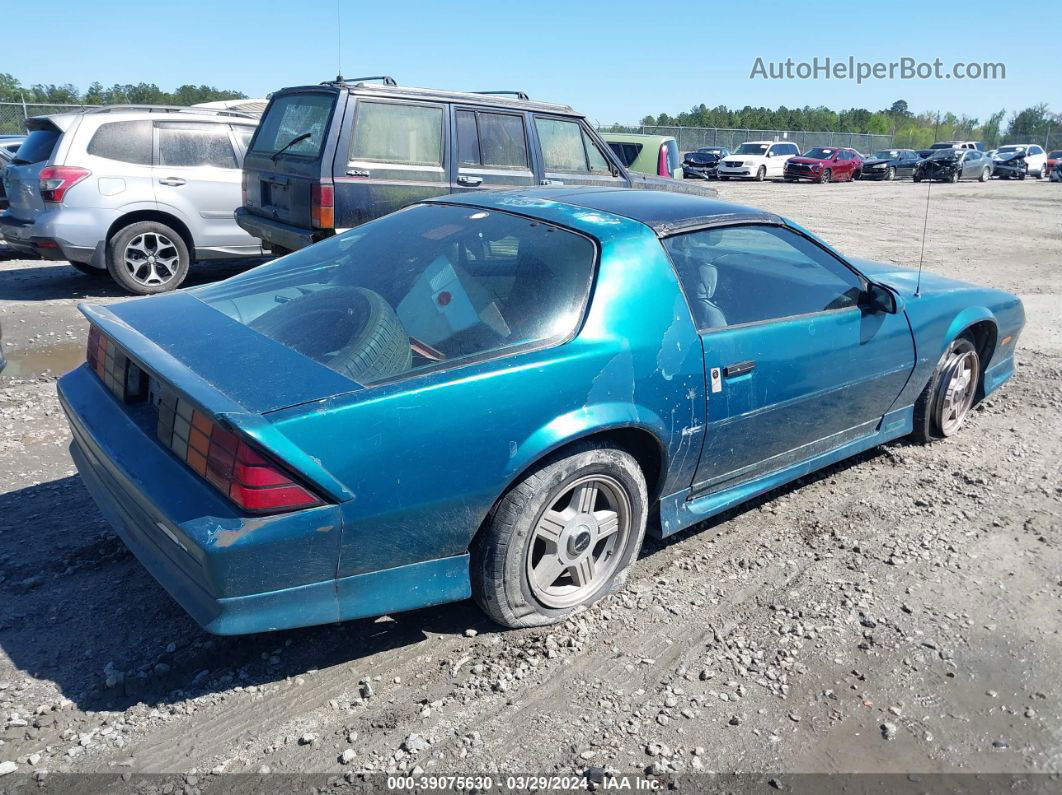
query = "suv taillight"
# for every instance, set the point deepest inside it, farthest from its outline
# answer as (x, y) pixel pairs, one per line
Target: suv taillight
(323, 205)
(248, 478)
(57, 180)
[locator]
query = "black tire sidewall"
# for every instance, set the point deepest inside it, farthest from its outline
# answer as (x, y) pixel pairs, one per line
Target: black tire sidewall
(926, 427)
(504, 545)
(116, 265)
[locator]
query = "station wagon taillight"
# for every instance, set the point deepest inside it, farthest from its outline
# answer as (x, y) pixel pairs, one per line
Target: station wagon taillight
(323, 205)
(247, 477)
(57, 180)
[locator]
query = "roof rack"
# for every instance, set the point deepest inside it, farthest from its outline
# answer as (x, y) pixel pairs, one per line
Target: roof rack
(517, 94)
(386, 80)
(169, 109)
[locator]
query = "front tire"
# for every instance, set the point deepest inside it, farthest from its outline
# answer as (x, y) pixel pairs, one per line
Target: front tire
(825, 177)
(147, 258)
(956, 176)
(985, 174)
(1042, 173)
(945, 402)
(890, 175)
(562, 538)
(761, 174)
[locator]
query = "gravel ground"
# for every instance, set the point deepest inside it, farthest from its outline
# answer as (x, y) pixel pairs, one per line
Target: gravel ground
(899, 612)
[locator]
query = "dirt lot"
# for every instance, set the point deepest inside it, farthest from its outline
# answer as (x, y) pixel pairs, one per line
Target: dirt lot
(899, 612)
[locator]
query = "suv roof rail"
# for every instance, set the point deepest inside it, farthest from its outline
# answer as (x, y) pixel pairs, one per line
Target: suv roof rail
(517, 94)
(387, 80)
(169, 109)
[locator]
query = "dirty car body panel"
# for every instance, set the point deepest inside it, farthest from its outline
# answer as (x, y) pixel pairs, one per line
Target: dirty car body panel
(406, 467)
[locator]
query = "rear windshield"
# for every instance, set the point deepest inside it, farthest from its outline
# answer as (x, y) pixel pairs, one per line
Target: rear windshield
(38, 146)
(290, 117)
(422, 288)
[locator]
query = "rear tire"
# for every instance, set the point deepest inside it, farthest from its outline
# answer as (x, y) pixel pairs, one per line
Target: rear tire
(536, 563)
(147, 258)
(932, 414)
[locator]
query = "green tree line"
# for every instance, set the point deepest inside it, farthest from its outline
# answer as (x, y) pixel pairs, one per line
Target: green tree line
(913, 130)
(11, 90)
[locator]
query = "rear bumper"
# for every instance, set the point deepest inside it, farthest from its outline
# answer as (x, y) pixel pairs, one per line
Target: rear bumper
(51, 235)
(233, 574)
(275, 232)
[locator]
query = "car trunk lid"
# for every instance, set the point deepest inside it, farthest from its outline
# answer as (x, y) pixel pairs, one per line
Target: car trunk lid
(291, 156)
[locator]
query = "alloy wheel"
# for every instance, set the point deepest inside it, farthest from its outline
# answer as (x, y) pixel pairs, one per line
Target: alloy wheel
(151, 258)
(958, 391)
(576, 544)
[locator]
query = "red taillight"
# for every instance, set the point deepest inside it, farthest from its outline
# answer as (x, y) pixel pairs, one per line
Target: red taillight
(57, 180)
(227, 462)
(322, 205)
(661, 162)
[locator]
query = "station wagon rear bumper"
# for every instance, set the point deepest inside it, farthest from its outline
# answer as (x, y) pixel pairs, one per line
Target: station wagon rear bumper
(275, 232)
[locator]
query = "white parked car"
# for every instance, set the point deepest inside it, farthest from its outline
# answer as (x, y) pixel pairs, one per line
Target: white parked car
(758, 160)
(1035, 157)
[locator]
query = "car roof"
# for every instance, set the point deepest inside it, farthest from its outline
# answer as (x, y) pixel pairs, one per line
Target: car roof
(489, 99)
(139, 112)
(664, 212)
(634, 138)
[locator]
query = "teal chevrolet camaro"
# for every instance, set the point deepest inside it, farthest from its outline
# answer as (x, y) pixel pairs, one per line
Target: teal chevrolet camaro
(490, 394)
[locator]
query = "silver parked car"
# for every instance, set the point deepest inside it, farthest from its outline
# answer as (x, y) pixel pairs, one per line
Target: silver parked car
(138, 191)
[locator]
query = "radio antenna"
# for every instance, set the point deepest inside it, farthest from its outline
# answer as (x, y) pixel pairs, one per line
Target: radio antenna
(339, 42)
(922, 253)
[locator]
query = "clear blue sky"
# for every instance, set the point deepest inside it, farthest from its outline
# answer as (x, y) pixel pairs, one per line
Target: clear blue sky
(614, 61)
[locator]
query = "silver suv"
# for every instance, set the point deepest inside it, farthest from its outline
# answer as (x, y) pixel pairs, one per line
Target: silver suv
(139, 191)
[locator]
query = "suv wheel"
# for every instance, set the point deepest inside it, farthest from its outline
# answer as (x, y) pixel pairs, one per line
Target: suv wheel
(761, 173)
(148, 257)
(562, 538)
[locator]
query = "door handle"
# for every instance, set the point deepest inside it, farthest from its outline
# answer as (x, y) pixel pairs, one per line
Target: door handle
(740, 368)
(471, 182)
(173, 182)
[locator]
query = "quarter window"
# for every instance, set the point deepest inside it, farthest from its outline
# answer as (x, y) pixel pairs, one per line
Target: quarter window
(392, 132)
(195, 145)
(126, 141)
(750, 274)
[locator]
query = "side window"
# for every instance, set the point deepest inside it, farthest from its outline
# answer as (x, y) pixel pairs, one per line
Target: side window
(392, 132)
(750, 274)
(497, 140)
(562, 145)
(127, 141)
(596, 158)
(244, 133)
(195, 145)
(1035, 150)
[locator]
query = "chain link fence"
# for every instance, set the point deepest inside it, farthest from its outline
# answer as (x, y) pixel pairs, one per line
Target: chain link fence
(690, 138)
(13, 115)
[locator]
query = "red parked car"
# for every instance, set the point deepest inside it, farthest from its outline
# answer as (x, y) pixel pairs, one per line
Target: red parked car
(1052, 158)
(825, 164)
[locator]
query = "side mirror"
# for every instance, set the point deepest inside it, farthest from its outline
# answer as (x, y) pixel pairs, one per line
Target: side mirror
(880, 299)
(770, 154)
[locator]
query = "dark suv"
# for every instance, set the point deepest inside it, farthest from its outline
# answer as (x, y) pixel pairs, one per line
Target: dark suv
(330, 157)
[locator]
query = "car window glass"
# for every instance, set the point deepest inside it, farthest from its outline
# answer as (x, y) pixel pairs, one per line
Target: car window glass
(467, 139)
(626, 152)
(562, 145)
(597, 161)
(748, 274)
(441, 284)
(502, 140)
(392, 132)
(292, 116)
(244, 133)
(127, 141)
(195, 145)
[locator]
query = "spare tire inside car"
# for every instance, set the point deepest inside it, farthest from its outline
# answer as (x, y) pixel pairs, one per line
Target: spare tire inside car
(350, 329)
